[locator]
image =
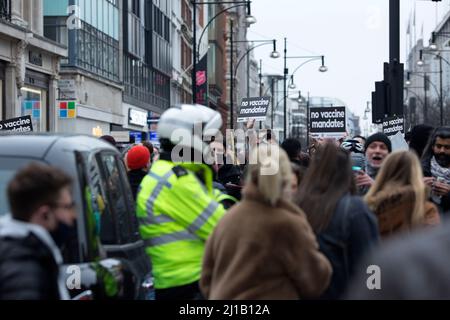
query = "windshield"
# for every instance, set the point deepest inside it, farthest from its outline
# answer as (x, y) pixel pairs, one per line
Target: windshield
(8, 168)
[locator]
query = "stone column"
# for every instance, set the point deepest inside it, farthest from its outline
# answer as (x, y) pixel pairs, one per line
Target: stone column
(38, 17)
(17, 13)
(11, 98)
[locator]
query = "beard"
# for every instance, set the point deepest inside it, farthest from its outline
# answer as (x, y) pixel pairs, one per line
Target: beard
(443, 159)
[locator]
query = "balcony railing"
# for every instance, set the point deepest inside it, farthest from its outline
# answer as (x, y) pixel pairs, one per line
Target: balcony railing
(5, 10)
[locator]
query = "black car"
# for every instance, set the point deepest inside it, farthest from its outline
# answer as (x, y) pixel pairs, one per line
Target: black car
(106, 245)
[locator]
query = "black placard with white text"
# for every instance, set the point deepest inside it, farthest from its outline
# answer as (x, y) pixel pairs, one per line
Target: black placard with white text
(254, 109)
(327, 122)
(20, 124)
(393, 125)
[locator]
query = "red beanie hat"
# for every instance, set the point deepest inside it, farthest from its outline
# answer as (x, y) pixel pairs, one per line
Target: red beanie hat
(138, 157)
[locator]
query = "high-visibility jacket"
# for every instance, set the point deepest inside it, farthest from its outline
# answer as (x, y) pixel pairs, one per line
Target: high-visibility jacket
(177, 213)
(225, 199)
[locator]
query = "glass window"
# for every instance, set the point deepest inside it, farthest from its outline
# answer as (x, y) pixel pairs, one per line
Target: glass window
(88, 11)
(101, 13)
(82, 5)
(101, 206)
(33, 104)
(118, 194)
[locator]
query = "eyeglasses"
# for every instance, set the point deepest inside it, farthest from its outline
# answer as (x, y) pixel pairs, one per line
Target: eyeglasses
(69, 206)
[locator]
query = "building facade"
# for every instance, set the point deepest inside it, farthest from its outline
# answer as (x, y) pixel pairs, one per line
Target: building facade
(29, 64)
(119, 63)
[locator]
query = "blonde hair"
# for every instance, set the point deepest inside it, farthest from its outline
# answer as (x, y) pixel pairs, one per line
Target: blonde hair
(401, 169)
(270, 172)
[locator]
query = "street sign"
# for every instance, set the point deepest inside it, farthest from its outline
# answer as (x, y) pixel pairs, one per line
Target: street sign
(393, 125)
(254, 109)
(67, 89)
(327, 122)
(153, 136)
(121, 136)
(137, 136)
(20, 124)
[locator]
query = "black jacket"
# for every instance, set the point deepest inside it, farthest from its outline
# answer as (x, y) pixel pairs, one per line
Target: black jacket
(28, 270)
(135, 178)
(444, 206)
(352, 231)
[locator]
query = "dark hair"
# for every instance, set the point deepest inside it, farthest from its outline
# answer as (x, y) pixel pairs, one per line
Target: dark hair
(293, 147)
(149, 146)
(298, 170)
(440, 132)
(109, 139)
(34, 186)
(328, 178)
(419, 137)
(359, 136)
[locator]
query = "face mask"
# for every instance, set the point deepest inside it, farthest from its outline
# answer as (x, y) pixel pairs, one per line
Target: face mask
(62, 233)
(443, 160)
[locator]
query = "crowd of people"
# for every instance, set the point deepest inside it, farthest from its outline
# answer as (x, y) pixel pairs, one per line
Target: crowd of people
(291, 224)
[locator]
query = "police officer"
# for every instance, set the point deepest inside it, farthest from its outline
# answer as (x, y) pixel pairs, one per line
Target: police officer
(177, 206)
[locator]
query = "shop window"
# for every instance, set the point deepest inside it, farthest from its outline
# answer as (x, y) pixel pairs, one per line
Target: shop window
(34, 104)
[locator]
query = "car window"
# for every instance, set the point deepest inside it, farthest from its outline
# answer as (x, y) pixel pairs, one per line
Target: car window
(8, 168)
(100, 205)
(117, 195)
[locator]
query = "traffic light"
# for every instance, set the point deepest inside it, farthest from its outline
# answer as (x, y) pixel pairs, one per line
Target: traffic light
(379, 102)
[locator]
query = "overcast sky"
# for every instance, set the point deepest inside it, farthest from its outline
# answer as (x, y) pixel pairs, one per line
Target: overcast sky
(352, 34)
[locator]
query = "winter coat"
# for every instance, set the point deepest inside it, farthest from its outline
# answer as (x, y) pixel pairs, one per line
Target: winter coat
(444, 206)
(352, 232)
(263, 252)
(29, 263)
(394, 208)
(135, 178)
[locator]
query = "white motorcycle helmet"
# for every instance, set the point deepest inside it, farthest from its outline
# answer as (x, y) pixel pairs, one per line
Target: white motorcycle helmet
(188, 125)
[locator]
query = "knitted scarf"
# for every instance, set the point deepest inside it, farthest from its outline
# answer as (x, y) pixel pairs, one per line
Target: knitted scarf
(438, 171)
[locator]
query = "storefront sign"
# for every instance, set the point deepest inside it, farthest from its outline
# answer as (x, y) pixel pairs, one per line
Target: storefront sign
(67, 89)
(35, 58)
(329, 122)
(201, 81)
(136, 136)
(67, 109)
(21, 124)
(121, 136)
(136, 117)
(254, 108)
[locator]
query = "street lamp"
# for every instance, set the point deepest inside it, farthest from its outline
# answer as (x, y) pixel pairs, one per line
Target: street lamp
(292, 84)
(322, 68)
(274, 54)
(195, 50)
(426, 79)
(421, 63)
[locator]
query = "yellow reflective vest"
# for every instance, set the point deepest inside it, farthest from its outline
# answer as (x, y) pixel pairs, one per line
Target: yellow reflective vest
(176, 214)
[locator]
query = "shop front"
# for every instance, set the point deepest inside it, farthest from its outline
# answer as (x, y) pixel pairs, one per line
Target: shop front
(34, 100)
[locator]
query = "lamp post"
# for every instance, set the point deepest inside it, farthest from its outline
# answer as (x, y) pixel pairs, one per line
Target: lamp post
(426, 81)
(322, 68)
(274, 54)
(249, 19)
(441, 99)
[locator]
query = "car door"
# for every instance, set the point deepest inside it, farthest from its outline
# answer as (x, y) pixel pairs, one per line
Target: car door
(126, 242)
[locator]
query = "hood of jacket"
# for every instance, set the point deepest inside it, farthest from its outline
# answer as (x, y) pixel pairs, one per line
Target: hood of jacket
(11, 228)
(393, 208)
